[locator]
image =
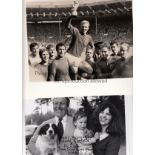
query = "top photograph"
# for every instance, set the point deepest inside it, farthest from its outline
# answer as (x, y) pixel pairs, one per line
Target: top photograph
(79, 40)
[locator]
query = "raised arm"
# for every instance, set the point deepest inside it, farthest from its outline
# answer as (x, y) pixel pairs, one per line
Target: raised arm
(68, 24)
(74, 14)
(32, 143)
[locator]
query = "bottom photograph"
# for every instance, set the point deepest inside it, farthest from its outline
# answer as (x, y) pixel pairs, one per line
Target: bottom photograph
(87, 125)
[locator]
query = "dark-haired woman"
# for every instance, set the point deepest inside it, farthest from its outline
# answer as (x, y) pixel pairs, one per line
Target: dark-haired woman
(110, 130)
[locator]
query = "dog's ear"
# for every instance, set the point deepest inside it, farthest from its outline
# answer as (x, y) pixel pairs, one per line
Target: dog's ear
(57, 131)
(43, 129)
(55, 128)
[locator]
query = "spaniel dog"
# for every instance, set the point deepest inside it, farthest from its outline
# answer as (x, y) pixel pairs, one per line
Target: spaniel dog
(47, 142)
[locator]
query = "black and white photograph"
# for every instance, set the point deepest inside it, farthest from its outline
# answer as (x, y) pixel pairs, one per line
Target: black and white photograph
(87, 125)
(79, 40)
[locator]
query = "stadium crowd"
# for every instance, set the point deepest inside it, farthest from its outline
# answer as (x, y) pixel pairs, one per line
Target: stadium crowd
(120, 30)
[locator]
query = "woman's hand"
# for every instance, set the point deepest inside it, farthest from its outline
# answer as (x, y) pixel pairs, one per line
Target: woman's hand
(96, 135)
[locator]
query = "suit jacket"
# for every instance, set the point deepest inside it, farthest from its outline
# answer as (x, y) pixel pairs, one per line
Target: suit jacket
(67, 144)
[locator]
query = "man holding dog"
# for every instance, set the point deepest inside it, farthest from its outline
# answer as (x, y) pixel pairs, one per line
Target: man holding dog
(66, 127)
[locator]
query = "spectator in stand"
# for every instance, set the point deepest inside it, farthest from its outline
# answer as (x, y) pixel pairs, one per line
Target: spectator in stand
(34, 56)
(59, 69)
(52, 52)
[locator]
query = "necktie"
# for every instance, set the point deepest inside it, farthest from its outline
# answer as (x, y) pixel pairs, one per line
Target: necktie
(61, 129)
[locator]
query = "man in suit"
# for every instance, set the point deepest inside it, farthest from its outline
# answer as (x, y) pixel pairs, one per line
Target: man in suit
(65, 123)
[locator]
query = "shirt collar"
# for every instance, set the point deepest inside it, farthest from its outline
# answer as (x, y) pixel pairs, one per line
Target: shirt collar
(64, 119)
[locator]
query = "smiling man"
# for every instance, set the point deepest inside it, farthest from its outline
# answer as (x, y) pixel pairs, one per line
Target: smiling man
(79, 42)
(59, 69)
(66, 127)
(34, 54)
(39, 72)
(52, 52)
(80, 38)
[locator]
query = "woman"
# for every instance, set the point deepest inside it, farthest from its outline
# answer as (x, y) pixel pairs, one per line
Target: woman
(110, 130)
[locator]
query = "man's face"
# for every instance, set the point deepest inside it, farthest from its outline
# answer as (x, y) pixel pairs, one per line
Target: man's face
(45, 56)
(84, 28)
(60, 107)
(124, 50)
(61, 51)
(89, 54)
(104, 53)
(34, 50)
(53, 53)
(97, 50)
(115, 48)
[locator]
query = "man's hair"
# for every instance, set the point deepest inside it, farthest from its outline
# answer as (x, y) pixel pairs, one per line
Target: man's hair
(100, 45)
(33, 45)
(124, 44)
(59, 45)
(66, 98)
(106, 45)
(49, 46)
(89, 47)
(113, 42)
(41, 51)
(85, 22)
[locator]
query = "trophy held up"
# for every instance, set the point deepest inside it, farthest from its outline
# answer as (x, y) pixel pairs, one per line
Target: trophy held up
(74, 8)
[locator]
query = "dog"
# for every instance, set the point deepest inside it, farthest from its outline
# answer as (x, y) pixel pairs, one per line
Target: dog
(48, 141)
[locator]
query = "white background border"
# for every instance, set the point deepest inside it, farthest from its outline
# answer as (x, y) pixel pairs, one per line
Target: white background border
(11, 77)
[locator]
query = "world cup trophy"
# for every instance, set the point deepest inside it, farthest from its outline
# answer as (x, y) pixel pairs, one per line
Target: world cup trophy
(74, 8)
